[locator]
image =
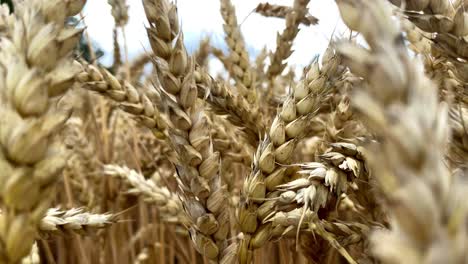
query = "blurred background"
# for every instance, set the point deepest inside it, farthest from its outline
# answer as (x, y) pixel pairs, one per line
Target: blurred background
(202, 18)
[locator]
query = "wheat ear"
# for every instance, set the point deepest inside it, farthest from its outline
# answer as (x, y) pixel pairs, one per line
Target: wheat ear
(130, 99)
(74, 220)
(279, 11)
(151, 191)
(36, 67)
(241, 67)
(224, 102)
(285, 40)
(198, 164)
(119, 12)
(400, 105)
(288, 127)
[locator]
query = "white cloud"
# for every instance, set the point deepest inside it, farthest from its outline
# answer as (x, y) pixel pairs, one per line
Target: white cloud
(202, 17)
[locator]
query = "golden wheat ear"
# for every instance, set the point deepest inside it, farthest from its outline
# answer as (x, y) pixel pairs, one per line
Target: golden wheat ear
(409, 168)
(36, 68)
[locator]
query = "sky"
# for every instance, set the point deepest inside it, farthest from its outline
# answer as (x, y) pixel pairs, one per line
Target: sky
(200, 18)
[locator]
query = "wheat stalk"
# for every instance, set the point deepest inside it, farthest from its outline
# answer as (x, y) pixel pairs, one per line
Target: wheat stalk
(117, 62)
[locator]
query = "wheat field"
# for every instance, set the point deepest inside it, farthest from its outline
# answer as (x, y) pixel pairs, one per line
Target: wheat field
(359, 157)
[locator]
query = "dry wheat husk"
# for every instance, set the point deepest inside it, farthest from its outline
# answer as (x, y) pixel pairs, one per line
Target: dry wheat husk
(446, 20)
(82, 161)
(458, 152)
(232, 142)
(449, 74)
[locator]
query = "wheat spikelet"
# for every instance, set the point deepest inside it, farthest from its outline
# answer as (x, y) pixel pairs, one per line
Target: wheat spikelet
(458, 154)
(260, 64)
(82, 161)
(420, 40)
(446, 19)
(320, 189)
(230, 141)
